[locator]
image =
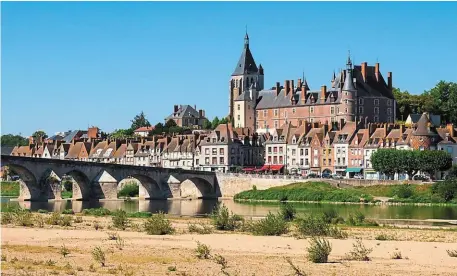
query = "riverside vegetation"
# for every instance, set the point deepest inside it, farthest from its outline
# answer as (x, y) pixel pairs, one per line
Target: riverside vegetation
(440, 192)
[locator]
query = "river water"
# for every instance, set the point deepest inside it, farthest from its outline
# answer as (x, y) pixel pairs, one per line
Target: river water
(204, 207)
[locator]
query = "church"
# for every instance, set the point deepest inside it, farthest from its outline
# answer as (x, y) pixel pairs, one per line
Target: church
(359, 93)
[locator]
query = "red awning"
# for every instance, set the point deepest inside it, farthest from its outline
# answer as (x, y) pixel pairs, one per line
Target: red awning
(276, 167)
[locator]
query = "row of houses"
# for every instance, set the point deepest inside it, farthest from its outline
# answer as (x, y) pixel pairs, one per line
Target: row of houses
(343, 148)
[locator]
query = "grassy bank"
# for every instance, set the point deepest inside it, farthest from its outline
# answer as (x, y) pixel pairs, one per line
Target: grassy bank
(9, 188)
(324, 192)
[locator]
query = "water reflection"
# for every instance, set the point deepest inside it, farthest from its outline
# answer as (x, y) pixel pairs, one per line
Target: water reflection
(204, 207)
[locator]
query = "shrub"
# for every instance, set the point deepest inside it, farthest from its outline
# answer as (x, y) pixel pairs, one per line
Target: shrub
(223, 220)
(330, 216)
(7, 218)
(202, 251)
(129, 190)
(313, 226)
(64, 251)
(78, 219)
(272, 225)
(359, 252)
(319, 250)
(158, 225)
(404, 191)
(42, 211)
(23, 217)
(120, 243)
(54, 219)
(452, 253)
(67, 185)
(396, 255)
(98, 212)
(120, 219)
(297, 271)
(358, 219)
(50, 263)
(446, 190)
(112, 236)
(99, 255)
(68, 212)
(254, 188)
(287, 211)
(66, 220)
(200, 229)
(39, 221)
(139, 215)
(172, 268)
(220, 260)
(382, 237)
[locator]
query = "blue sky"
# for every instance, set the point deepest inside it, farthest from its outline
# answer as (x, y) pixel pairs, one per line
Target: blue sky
(68, 65)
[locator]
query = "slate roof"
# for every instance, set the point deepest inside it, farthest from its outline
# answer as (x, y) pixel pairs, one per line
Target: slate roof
(184, 111)
(268, 98)
(424, 127)
(7, 150)
(434, 119)
(70, 136)
(246, 63)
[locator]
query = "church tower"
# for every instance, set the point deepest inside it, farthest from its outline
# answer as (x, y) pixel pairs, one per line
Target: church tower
(349, 94)
(245, 74)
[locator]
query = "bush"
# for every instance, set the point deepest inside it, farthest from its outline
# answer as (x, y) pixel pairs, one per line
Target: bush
(313, 226)
(129, 190)
(287, 211)
(98, 212)
(383, 237)
(78, 219)
(396, 255)
(272, 225)
(202, 251)
(359, 252)
(319, 250)
(64, 251)
(65, 221)
(223, 220)
(220, 260)
(67, 185)
(158, 225)
(404, 191)
(120, 219)
(140, 215)
(99, 255)
(200, 229)
(54, 219)
(23, 217)
(68, 212)
(7, 218)
(445, 190)
(39, 221)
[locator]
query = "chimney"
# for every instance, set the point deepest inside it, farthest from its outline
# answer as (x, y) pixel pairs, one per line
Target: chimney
(364, 71)
(292, 90)
(203, 113)
(326, 128)
(175, 108)
(292, 87)
(286, 87)
(31, 142)
(323, 93)
(376, 71)
(306, 128)
(341, 124)
(299, 83)
(195, 106)
(278, 88)
(450, 128)
(303, 94)
(389, 80)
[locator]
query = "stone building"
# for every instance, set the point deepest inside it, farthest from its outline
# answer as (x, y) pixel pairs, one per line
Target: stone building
(187, 116)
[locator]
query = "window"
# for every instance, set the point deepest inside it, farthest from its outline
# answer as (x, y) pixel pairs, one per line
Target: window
(238, 106)
(221, 151)
(269, 159)
(256, 125)
(275, 160)
(293, 110)
(214, 161)
(258, 113)
(324, 162)
(316, 162)
(389, 102)
(306, 151)
(207, 151)
(389, 119)
(389, 111)
(207, 160)
(249, 107)
(269, 149)
(293, 151)
(285, 114)
(376, 110)
(275, 113)
(233, 151)
(360, 101)
(316, 152)
(280, 150)
(293, 161)
(301, 162)
(360, 109)
(221, 160)
(264, 124)
(301, 151)
(329, 161)
(264, 113)
(376, 119)
(323, 151)
(332, 110)
(311, 109)
(276, 124)
(238, 117)
(275, 149)
(280, 160)
(376, 102)
(214, 151)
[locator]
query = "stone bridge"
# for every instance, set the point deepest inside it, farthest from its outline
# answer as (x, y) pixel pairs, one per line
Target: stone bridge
(40, 179)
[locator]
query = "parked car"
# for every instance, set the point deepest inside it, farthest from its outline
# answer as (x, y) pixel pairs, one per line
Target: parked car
(421, 177)
(312, 175)
(358, 176)
(337, 176)
(326, 175)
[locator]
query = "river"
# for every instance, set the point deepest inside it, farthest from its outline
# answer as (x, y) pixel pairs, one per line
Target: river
(203, 207)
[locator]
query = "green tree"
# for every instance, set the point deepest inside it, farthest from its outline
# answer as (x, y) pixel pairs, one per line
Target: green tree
(206, 124)
(13, 140)
(432, 161)
(170, 123)
(215, 122)
(121, 133)
(409, 162)
(139, 121)
(452, 172)
(387, 161)
(443, 100)
(159, 128)
(39, 134)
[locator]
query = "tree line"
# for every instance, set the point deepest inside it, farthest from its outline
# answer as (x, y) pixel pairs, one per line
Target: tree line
(440, 100)
(391, 161)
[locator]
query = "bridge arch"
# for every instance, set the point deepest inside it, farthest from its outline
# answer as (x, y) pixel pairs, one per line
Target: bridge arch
(148, 187)
(29, 186)
(81, 185)
(196, 187)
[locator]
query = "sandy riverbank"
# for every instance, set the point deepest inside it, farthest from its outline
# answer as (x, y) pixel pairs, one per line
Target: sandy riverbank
(143, 254)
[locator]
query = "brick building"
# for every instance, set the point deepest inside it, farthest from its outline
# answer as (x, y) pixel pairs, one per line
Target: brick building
(358, 93)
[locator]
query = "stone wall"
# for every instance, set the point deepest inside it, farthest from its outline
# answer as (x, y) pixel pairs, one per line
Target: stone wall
(230, 183)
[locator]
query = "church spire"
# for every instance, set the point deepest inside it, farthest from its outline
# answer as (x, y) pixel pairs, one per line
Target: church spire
(246, 63)
(246, 38)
